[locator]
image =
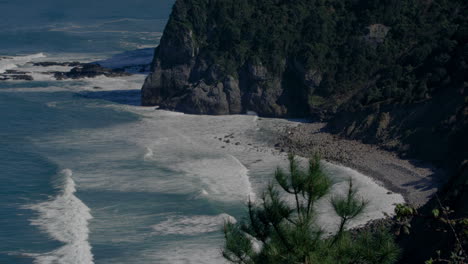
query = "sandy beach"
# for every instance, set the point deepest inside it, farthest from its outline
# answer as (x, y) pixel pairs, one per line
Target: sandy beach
(415, 180)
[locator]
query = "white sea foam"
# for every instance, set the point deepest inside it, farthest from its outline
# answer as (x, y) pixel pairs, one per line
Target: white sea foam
(16, 61)
(240, 170)
(114, 25)
(6, 66)
(172, 142)
(97, 84)
(65, 218)
(103, 83)
(223, 178)
(188, 252)
(149, 154)
(193, 225)
(381, 202)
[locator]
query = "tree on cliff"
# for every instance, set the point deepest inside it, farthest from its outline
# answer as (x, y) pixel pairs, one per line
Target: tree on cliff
(277, 232)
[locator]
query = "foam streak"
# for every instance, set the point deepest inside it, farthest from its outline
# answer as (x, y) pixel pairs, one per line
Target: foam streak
(65, 218)
(14, 62)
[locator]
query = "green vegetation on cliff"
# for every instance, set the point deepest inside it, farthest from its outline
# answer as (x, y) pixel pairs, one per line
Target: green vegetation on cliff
(399, 51)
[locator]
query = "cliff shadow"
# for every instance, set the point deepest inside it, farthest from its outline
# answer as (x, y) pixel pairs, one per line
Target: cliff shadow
(127, 97)
(302, 120)
(435, 180)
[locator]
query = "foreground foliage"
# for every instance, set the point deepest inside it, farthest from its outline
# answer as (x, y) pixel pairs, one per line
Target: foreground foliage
(282, 230)
(441, 221)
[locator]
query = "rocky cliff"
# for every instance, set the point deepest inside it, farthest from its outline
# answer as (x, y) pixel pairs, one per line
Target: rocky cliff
(197, 70)
(387, 72)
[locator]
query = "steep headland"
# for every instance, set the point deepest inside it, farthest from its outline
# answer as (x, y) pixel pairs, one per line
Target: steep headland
(385, 72)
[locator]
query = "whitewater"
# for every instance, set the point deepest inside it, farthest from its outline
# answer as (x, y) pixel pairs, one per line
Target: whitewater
(65, 218)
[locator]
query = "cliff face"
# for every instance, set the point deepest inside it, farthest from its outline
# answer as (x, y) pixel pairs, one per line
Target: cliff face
(196, 71)
(384, 71)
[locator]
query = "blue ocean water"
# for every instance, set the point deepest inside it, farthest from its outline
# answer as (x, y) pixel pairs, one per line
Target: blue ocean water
(87, 26)
(48, 152)
(88, 176)
(28, 176)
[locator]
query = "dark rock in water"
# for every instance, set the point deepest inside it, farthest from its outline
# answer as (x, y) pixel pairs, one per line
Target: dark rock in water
(15, 72)
(90, 70)
(16, 77)
(52, 63)
(22, 77)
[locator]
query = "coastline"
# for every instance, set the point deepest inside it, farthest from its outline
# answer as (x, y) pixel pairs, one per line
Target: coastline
(243, 159)
(415, 180)
(217, 159)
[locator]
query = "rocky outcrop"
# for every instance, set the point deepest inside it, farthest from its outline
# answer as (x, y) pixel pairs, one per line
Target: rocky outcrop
(184, 78)
(16, 76)
(80, 70)
(195, 86)
(89, 70)
(53, 63)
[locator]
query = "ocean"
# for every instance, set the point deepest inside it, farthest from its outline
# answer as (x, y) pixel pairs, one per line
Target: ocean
(89, 176)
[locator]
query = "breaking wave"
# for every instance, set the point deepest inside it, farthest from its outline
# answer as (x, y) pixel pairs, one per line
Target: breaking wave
(8, 63)
(65, 218)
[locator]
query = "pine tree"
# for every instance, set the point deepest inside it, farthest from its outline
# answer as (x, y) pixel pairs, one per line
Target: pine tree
(279, 231)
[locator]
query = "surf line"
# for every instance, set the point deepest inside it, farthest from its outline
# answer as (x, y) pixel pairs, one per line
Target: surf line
(65, 218)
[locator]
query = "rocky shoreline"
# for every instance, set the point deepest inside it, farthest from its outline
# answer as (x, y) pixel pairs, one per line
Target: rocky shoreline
(79, 71)
(415, 180)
